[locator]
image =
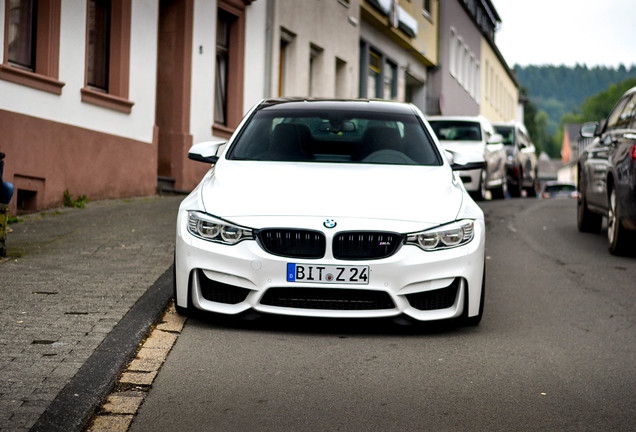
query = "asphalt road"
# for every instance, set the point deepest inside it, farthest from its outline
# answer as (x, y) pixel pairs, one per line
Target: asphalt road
(556, 350)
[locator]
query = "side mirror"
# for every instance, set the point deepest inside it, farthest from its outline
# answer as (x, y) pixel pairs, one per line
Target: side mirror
(495, 139)
(464, 162)
(205, 151)
(588, 130)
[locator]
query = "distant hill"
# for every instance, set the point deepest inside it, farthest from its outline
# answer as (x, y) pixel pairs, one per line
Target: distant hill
(560, 89)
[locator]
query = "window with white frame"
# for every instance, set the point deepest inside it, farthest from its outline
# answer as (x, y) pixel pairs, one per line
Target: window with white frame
(463, 64)
(452, 53)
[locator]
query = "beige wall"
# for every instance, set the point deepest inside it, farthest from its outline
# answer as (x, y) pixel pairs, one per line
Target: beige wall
(499, 94)
(330, 27)
(426, 42)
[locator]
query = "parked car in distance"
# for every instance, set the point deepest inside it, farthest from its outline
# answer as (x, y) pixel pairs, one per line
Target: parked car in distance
(331, 208)
(556, 189)
(607, 176)
(521, 159)
(469, 135)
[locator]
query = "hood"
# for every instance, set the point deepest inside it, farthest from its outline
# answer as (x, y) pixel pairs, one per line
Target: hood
(464, 147)
(244, 189)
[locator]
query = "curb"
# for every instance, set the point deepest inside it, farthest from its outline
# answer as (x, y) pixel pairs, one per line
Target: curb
(76, 403)
(118, 411)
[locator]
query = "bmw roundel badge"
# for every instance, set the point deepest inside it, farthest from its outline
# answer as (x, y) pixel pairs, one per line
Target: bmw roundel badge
(329, 223)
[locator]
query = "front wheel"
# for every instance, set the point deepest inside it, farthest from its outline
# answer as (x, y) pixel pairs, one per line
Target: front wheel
(620, 239)
(514, 189)
(586, 220)
(531, 192)
(501, 191)
(480, 193)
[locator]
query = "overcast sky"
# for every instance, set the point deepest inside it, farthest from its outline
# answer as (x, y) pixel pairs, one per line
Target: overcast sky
(567, 32)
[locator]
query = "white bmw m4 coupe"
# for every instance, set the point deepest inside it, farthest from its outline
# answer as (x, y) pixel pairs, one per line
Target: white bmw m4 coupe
(332, 208)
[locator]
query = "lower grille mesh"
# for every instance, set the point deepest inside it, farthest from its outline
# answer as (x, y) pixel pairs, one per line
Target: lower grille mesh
(327, 299)
(436, 299)
(220, 292)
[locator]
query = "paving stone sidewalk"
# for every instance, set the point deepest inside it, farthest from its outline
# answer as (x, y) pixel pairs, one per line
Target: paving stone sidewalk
(69, 278)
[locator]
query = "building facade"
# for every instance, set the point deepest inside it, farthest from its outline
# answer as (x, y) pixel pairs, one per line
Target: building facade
(314, 48)
(74, 114)
(108, 104)
(500, 100)
(398, 44)
(472, 78)
(455, 85)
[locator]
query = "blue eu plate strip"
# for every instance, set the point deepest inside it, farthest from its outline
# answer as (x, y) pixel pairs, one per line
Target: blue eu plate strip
(291, 272)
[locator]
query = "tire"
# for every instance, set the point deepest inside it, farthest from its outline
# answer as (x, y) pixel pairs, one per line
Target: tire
(514, 190)
(480, 193)
(621, 241)
(475, 320)
(501, 191)
(586, 220)
(531, 192)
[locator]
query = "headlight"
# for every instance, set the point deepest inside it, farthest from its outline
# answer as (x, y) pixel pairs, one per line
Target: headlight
(216, 230)
(444, 237)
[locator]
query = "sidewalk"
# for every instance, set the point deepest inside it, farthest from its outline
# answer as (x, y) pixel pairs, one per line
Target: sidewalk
(70, 277)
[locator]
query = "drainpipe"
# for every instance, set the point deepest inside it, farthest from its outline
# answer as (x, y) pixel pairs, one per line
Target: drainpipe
(269, 47)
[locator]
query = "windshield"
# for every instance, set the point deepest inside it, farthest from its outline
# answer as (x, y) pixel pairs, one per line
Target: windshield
(454, 130)
(508, 134)
(336, 136)
(557, 188)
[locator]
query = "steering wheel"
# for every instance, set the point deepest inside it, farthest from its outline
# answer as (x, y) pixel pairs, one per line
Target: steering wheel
(390, 157)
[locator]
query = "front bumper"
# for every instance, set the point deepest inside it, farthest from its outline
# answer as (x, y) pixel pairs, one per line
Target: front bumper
(234, 279)
(471, 179)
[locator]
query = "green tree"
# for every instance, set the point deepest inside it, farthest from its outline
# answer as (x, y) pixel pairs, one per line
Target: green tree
(596, 107)
(536, 122)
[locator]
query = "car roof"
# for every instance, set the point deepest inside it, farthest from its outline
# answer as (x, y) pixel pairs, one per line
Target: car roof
(515, 124)
(294, 104)
(557, 182)
(631, 90)
(507, 124)
(457, 118)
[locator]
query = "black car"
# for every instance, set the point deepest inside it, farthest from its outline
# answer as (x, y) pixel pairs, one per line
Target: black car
(521, 159)
(556, 189)
(607, 176)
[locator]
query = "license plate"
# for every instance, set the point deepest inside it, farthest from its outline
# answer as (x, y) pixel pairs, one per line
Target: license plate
(330, 274)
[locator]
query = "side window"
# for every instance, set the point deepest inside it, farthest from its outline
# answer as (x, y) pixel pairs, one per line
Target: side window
(615, 116)
(522, 139)
(626, 118)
